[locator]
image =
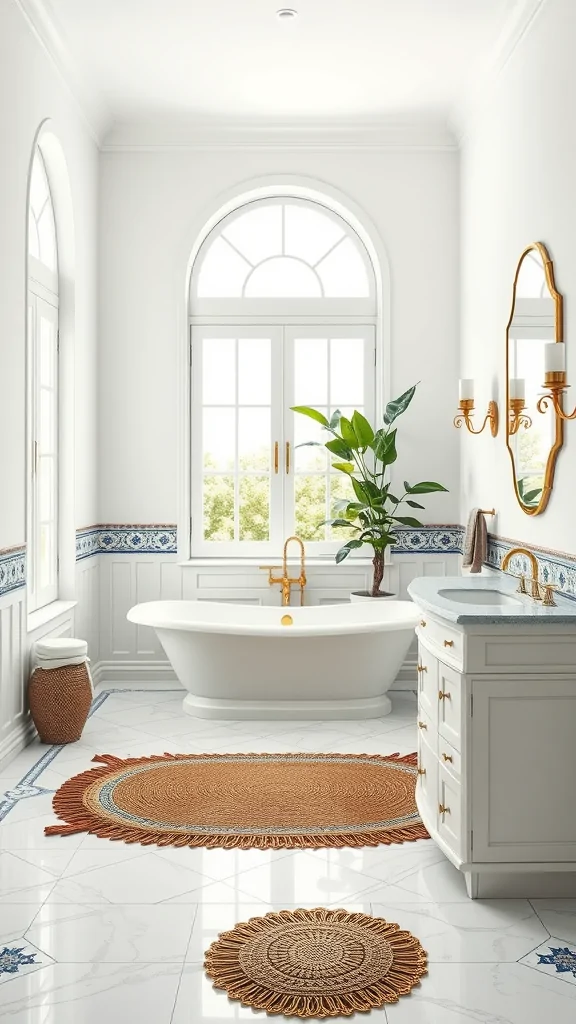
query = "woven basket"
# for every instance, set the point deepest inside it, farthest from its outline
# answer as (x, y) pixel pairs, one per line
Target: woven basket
(60, 700)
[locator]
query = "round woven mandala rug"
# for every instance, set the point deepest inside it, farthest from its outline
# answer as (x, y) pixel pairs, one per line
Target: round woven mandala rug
(316, 963)
(266, 801)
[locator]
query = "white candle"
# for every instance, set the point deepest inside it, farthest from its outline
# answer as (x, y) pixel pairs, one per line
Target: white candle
(555, 357)
(517, 388)
(466, 389)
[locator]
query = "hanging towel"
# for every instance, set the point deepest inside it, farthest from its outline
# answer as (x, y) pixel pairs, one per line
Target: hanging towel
(475, 541)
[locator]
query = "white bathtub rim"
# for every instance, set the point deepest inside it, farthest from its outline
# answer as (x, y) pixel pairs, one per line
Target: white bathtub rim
(380, 617)
(227, 709)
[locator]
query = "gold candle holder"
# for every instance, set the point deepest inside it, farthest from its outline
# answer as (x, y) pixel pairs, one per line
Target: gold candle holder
(555, 384)
(516, 419)
(465, 416)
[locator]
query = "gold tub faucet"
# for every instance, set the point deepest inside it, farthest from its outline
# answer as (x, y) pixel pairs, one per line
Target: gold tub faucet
(536, 587)
(286, 581)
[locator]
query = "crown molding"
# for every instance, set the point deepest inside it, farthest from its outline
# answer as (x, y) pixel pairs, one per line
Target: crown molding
(42, 22)
(515, 28)
(203, 135)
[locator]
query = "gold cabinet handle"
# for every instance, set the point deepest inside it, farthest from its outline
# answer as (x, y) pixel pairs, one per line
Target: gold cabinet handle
(448, 643)
(447, 757)
(422, 725)
(421, 771)
(442, 695)
(423, 623)
(421, 668)
(287, 456)
(443, 810)
(276, 456)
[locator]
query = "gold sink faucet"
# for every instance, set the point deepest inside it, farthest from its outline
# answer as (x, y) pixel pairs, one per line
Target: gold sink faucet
(286, 581)
(535, 585)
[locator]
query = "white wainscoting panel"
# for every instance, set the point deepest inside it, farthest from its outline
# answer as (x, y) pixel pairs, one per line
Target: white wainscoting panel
(13, 713)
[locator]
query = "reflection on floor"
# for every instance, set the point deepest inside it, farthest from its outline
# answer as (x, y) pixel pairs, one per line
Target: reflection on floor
(94, 931)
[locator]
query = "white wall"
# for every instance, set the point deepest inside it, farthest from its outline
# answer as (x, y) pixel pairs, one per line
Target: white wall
(518, 174)
(151, 199)
(31, 90)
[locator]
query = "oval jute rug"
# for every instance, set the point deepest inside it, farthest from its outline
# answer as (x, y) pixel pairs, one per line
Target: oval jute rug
(316, 963)
(266, 801)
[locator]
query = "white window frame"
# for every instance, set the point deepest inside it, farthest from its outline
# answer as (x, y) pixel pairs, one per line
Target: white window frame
(282, 431)
(42, 303)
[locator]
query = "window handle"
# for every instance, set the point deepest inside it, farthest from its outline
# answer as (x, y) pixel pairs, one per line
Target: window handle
(276, 456)
(287, 456)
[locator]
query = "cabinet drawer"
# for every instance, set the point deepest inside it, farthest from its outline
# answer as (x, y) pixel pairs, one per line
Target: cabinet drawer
(428, 683)
(450, 758)
(450, 819)
(444, 640)
(449, 699)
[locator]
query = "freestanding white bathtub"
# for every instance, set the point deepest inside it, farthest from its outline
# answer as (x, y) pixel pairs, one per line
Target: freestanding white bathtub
(240, 661)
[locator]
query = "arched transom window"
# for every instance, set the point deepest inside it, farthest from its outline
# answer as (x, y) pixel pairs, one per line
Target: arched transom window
(282, 313)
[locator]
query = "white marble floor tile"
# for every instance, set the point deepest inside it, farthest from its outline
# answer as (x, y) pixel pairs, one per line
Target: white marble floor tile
(54, 862)
(108, 854)
(16, 873)
(219, 864)
(146, 879)
(479, 931)
(36, 896)
(434, 883)
(556, 958)
(29, 835)
(302, 878)
(485, 994)
(389, 864)
(558, 916)
(136, 716)
(72, 933)
(15, 919)
(215, 892)
(92, 994)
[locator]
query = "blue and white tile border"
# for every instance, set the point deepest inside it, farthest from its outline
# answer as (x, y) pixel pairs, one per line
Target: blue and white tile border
(429, 540)
(555, 566)
(126, 539)
(12, 569)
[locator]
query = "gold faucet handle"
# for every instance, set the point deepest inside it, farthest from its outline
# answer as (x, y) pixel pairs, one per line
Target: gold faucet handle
(548, 599)
(521, 584)
(270, 569)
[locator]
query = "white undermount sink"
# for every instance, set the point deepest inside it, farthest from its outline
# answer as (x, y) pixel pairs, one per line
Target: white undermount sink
(473, 595)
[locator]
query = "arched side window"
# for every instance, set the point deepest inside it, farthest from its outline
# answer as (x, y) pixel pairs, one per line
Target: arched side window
(283, 313)
(43, 374)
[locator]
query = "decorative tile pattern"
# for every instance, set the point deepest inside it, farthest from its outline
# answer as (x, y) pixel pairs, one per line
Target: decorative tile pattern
(13, 959)
(126, 539)
(430, 540)
(555, 959)
(12, 569)
(555, 566)
(562, 958)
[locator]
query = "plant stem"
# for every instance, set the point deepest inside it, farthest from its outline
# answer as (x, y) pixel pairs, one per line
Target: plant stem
(378, 563)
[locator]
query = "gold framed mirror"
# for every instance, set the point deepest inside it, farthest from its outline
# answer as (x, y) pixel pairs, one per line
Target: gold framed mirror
(533, 438)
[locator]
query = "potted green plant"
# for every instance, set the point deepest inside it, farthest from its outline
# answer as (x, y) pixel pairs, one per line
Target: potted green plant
(364, 455)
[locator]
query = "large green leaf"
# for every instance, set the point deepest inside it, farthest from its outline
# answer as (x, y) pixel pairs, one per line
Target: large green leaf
(348, 433)
(360, 491)
(424, 487)
(414, 504)
(337, 447)
(344, 467)
(338, 522)
(384, 447)
(306, 410)
(407, 520)
(346, 549)
(398, 405)
(335, 419)
(362, 429)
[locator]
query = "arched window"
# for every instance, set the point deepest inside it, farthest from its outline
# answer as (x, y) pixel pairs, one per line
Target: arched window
(283, 313)
(43, 377)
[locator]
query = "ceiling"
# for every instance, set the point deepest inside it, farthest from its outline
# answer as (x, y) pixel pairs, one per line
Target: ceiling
(234, 59)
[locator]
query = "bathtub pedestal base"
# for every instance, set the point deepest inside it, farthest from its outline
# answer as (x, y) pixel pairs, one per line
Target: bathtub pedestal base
(291, 710)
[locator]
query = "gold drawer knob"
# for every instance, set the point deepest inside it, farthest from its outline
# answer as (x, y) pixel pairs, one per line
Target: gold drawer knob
(448, 643)
(422, 725)
(421, 771)
(443, 810)
(422, 668)
(442, 695)
(423, 623)
(447, 757)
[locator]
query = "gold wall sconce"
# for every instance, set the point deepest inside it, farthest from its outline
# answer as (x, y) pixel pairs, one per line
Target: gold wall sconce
(555, 380)
(466, 410)
(516, 406)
